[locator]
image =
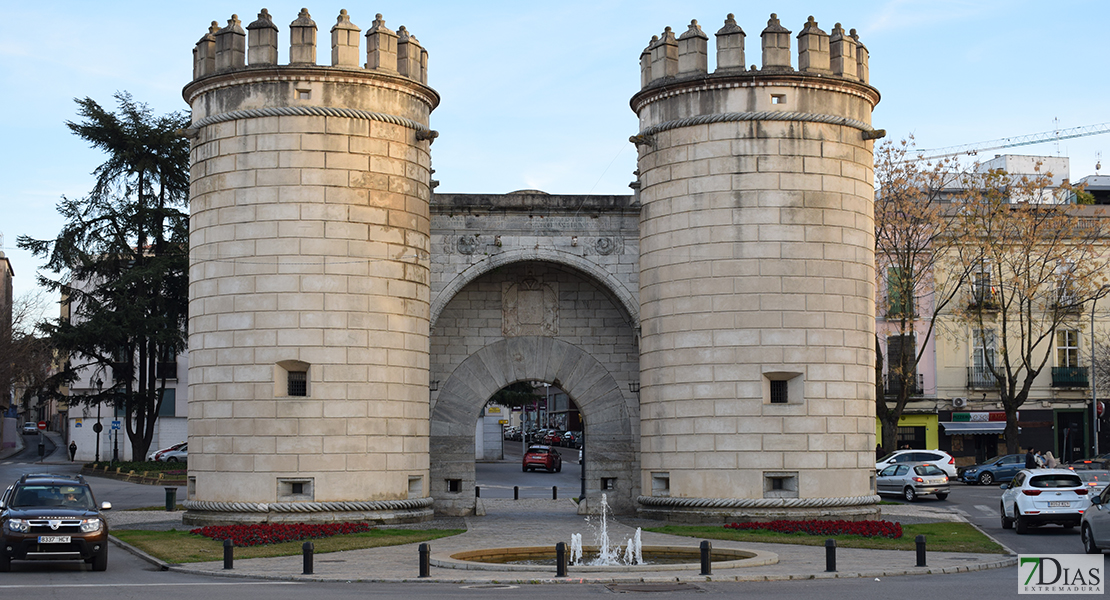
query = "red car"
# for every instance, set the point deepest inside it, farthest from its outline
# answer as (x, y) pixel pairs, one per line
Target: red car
(542, 456)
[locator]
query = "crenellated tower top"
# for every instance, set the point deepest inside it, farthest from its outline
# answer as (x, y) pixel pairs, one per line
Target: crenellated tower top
(232, 49)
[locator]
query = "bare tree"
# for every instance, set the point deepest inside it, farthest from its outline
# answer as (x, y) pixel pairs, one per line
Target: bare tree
(1035, 263)
(27, 360)
(914, 241)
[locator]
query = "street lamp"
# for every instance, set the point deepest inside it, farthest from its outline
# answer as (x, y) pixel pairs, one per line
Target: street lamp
(98, 427)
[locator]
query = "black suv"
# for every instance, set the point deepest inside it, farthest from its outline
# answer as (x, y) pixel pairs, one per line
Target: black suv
(52, 517)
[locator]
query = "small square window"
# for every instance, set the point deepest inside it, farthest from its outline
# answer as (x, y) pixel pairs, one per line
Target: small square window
(298, 383)
(779, 391)
(608, 483)
(454, 485)
(304, 94)
(661, 484)
(295, 490)
(778, 98)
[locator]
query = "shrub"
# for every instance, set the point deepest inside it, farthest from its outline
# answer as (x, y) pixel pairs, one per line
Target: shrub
(861, 528)
(275, 533)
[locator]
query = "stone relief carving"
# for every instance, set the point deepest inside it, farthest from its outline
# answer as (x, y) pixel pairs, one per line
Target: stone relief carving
(607, 245)
(529, 307)
(467, 244)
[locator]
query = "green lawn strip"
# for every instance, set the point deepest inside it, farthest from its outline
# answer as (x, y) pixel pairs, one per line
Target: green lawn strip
(183, 547)
(939, 537)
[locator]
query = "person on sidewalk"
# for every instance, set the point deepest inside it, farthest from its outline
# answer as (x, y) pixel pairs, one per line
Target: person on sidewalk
(72, 450)
(1050, 460)
(1030, 459)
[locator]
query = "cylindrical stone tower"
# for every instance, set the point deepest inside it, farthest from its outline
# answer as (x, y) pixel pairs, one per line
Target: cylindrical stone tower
(309, 293)
(756, 274)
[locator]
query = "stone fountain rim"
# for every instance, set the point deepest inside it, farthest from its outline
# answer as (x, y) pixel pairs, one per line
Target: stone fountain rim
(753, 558)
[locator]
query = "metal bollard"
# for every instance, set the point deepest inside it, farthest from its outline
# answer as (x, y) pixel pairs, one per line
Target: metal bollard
(229, 554)
(306, 550)
(706, 558)
(554, 492)
(425, 560)
(477, 492)
(920, 541)
(171, 499)
(830, 555)
(516, 493)
(561, 559)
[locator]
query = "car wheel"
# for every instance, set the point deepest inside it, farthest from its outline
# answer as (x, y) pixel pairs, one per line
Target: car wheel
(909, 494)
(1007, 522)
(100, 561)
(525, 469)
(171, 459)
(942, 496)
(986, 478)
(1088, 541)
(1020, 524)
(558, 467)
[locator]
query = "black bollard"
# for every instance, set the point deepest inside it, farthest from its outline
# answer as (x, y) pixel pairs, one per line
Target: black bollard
(830, 555)
(920, 541)
(561, 559)
(554, 492)
(706, 558)
(425, 560)
(516, 493)
(229, 554)
(477, 492)
(171, 499)
(306, 550)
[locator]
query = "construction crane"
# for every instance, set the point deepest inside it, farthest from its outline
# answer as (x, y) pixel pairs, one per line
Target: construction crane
(1010, 142)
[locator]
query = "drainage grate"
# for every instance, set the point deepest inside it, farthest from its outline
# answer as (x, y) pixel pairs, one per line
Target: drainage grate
(622, 588)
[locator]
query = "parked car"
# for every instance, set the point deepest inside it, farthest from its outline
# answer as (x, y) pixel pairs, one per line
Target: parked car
(52, 517)
(1043, 497)
(911, 481)
(941, 459)
(1094, 527)
(156, 456)
(179, 455)
(30, 427)
(542, 456)
(999, 468)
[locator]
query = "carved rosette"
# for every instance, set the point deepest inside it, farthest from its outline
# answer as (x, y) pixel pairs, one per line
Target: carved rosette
(607, 245)
(467, 244)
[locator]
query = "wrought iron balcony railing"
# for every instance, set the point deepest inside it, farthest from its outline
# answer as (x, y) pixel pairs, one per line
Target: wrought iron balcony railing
(1074, 377)
(892, 384)
(981, 378)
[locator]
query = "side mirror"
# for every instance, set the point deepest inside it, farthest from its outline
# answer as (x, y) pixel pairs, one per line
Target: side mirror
(105, 506)
(1096, 500)
(1004, 486)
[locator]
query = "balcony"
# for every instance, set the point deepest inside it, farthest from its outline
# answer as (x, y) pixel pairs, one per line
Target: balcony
(892, 384)
(1070, 377)
(166, 370)
(981, 378)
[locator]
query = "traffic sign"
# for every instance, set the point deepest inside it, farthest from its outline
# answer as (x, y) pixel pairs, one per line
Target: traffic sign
(115, 425)
(42, 425)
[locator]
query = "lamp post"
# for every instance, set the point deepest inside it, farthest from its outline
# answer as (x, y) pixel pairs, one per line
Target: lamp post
(98, 427)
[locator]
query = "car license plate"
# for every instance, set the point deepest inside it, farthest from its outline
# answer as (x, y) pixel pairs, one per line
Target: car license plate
(53, 539)
(1059, 504)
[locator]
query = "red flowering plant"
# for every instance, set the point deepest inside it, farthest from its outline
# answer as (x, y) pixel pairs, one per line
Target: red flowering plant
(860, 528)
(275, 533)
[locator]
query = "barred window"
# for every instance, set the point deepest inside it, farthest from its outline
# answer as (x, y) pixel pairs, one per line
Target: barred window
(778, 391)
(298, 383)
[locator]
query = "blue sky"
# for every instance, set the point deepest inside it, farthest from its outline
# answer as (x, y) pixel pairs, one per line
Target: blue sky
(535, 95)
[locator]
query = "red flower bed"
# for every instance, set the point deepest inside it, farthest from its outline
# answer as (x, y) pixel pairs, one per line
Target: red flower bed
(862, 528)
(275, 533)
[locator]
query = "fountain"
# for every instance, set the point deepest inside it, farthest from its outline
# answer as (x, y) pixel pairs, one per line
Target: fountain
(605, 556)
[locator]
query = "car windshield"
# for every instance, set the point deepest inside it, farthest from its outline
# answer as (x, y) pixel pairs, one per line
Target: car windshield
(1063, 480)
(63, 496)
(537, 450)
(927, 470)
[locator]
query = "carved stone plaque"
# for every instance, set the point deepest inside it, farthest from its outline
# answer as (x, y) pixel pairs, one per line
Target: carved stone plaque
(529, 307)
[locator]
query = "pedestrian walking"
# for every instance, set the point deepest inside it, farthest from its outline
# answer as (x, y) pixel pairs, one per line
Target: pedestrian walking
(72, 450)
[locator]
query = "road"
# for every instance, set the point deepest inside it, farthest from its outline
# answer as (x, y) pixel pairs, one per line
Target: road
(128, 577)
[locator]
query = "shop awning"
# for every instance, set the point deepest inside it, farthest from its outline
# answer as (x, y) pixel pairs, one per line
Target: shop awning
(974, 427)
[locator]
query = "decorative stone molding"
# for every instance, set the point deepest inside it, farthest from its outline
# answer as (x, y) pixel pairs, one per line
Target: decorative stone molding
(728, 503)
(467, 244)
(608, 245)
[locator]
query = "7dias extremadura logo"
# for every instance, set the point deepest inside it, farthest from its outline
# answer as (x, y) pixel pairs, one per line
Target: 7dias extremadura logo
(1060, 574)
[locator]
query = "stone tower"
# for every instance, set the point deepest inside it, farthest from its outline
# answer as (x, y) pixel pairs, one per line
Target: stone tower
(308, 296)
(757, 276)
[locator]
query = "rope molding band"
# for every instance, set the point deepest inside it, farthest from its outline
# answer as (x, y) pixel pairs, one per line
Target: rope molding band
(422, 131)
(646, 136)
(757, 502)
(307, 507)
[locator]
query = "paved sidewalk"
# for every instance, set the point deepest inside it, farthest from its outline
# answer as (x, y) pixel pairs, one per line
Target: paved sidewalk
(537, 522)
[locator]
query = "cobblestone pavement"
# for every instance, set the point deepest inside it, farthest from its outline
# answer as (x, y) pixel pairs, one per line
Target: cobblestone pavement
(539, 522)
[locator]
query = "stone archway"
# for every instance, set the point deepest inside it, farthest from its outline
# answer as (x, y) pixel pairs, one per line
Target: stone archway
(610, 444)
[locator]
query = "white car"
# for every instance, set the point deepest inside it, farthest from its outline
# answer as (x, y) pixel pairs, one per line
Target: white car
(179, 454)
(1094, 529)
(1042, 497)
(156, 456)
(940, 458)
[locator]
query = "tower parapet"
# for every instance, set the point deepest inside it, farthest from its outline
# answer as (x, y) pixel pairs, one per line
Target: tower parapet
(309, 277)
(757, 277)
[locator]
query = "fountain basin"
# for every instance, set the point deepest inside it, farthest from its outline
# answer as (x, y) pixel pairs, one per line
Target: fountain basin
(659, 558)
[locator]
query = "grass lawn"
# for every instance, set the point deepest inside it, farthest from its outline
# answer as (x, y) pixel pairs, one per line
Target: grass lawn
(939, 537)
(184, 547)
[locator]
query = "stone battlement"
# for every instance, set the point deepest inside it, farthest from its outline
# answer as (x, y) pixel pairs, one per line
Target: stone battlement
(668, 58)
(231, 48)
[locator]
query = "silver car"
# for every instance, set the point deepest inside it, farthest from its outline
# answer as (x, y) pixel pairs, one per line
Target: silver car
(1094, 527)
(911, 481)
